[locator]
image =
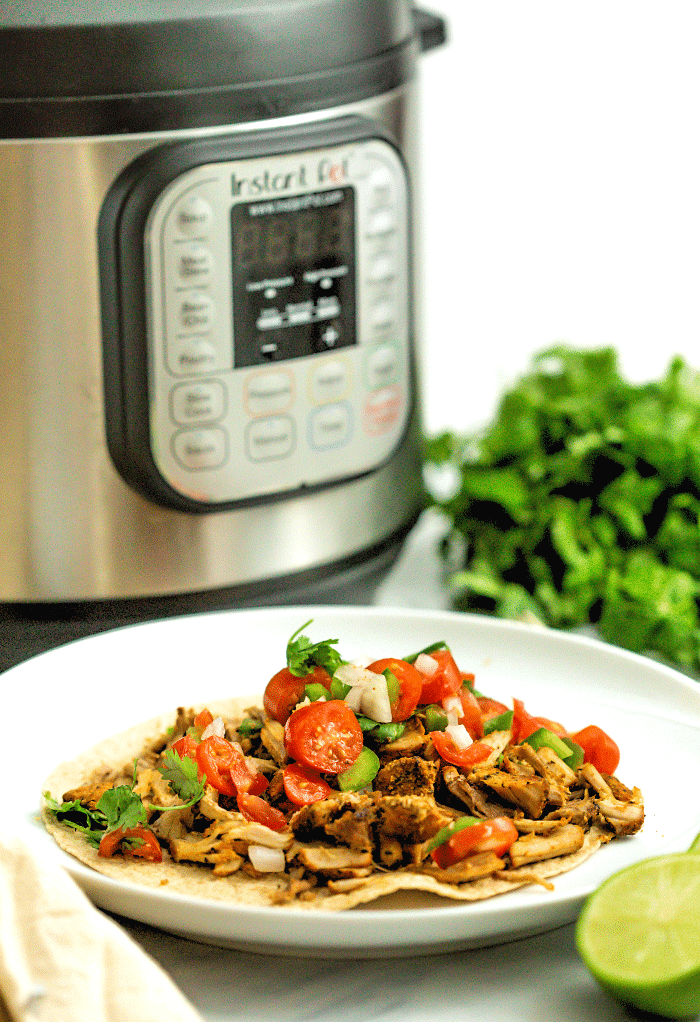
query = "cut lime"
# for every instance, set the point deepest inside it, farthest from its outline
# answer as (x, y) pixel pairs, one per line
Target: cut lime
(639, 934)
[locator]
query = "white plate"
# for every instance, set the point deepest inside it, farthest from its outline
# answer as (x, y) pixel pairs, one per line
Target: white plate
(98, 686)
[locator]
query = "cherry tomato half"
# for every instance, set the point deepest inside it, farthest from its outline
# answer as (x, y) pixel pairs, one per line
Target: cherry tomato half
(284, 690)
(304, 786)
(203, 719)
(147, 846)
(410, 685)
(446, 680)
(471, 713)
(186, 746)
(524, 724)
(324, 736)
(226, 769)
(457, 755)
(490, 707)
(598, 749)
(257, 810)
(495, 835)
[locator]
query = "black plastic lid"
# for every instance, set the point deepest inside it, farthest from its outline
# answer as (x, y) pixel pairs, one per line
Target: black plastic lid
(98, 68)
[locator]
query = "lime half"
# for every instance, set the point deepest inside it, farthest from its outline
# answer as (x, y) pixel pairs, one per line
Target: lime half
(639, 934)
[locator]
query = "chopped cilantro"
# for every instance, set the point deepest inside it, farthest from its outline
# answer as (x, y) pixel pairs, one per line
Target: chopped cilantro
(182, 774)
(303, 655)
(580, 504)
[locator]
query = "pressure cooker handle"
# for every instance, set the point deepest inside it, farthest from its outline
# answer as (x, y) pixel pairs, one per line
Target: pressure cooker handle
(431, 28)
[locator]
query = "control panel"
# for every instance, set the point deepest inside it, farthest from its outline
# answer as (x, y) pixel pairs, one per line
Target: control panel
(277, 308)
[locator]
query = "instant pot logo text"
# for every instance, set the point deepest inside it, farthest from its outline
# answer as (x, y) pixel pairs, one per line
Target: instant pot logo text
(306, 175)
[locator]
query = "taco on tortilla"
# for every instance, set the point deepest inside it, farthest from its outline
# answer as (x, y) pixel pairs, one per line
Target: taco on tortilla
(345, 783)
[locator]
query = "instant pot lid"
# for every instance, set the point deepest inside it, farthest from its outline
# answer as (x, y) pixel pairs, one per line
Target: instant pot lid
(109, 67)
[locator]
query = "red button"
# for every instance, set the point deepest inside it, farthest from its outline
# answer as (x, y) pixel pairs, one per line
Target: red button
(382, 410)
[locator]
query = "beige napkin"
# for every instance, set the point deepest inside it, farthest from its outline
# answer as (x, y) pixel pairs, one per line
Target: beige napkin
(61, 960)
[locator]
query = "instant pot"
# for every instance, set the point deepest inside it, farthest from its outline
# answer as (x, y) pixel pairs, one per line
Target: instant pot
(208, 338)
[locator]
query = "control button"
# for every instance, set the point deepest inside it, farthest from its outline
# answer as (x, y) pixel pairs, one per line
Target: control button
(382, 410)
(269, 319)
(193, 215)
(197, 402)
(330, 426)
(269, 392)
(200, 448)
(382, 314)
(270, 438)
(382, 366)
(382, 267)
(381, 184)
(329, 335)
(329, 381)
(299, 312)
(381, 221)
(196, 356)
(196, 311)
(327, 307)
(195, 264)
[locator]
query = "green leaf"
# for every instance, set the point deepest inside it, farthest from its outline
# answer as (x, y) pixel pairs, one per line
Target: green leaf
(122, 808)
(182, 775)
(303, 655)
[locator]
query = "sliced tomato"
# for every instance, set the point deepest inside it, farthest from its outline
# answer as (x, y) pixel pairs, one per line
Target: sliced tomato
(445, 681)
(304, 786)
(524, 724)
(215, 757)
(496, 835)
(457, 755)
(257, 810)
(471, 713)
(598, 749)
(186, 746)
(410, 685)
(203, 719)
(146, 846)
(226, 769)
(284, 690)
(325, 736)
(490, 707)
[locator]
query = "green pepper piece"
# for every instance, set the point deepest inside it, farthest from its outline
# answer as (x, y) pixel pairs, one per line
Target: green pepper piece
(503, 722)
(393, 685)
(445, 833)
(339, 689)
(435, 718)
(315, 691)
(576, 757)
(361, 773)
(248, 726)
(543, 736)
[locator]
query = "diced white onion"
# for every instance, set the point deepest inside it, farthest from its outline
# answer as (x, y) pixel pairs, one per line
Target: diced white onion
(353, 674)
(217, 727)
(426, 664)
(375, 699)
(354, 698)
(459, 734)
(452, 705)
(266, 860)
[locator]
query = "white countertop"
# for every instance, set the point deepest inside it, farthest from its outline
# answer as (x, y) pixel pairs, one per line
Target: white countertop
(540, 978)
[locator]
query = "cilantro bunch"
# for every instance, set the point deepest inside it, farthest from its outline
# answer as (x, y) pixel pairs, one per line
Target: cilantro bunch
(580, 503)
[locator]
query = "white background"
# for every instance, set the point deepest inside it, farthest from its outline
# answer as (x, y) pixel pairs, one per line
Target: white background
(560, 192)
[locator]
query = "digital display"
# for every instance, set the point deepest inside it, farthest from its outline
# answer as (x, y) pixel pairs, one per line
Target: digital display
(293, 262)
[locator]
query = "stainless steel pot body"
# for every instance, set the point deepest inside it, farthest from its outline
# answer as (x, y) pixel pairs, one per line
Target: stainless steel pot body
(71, 528)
